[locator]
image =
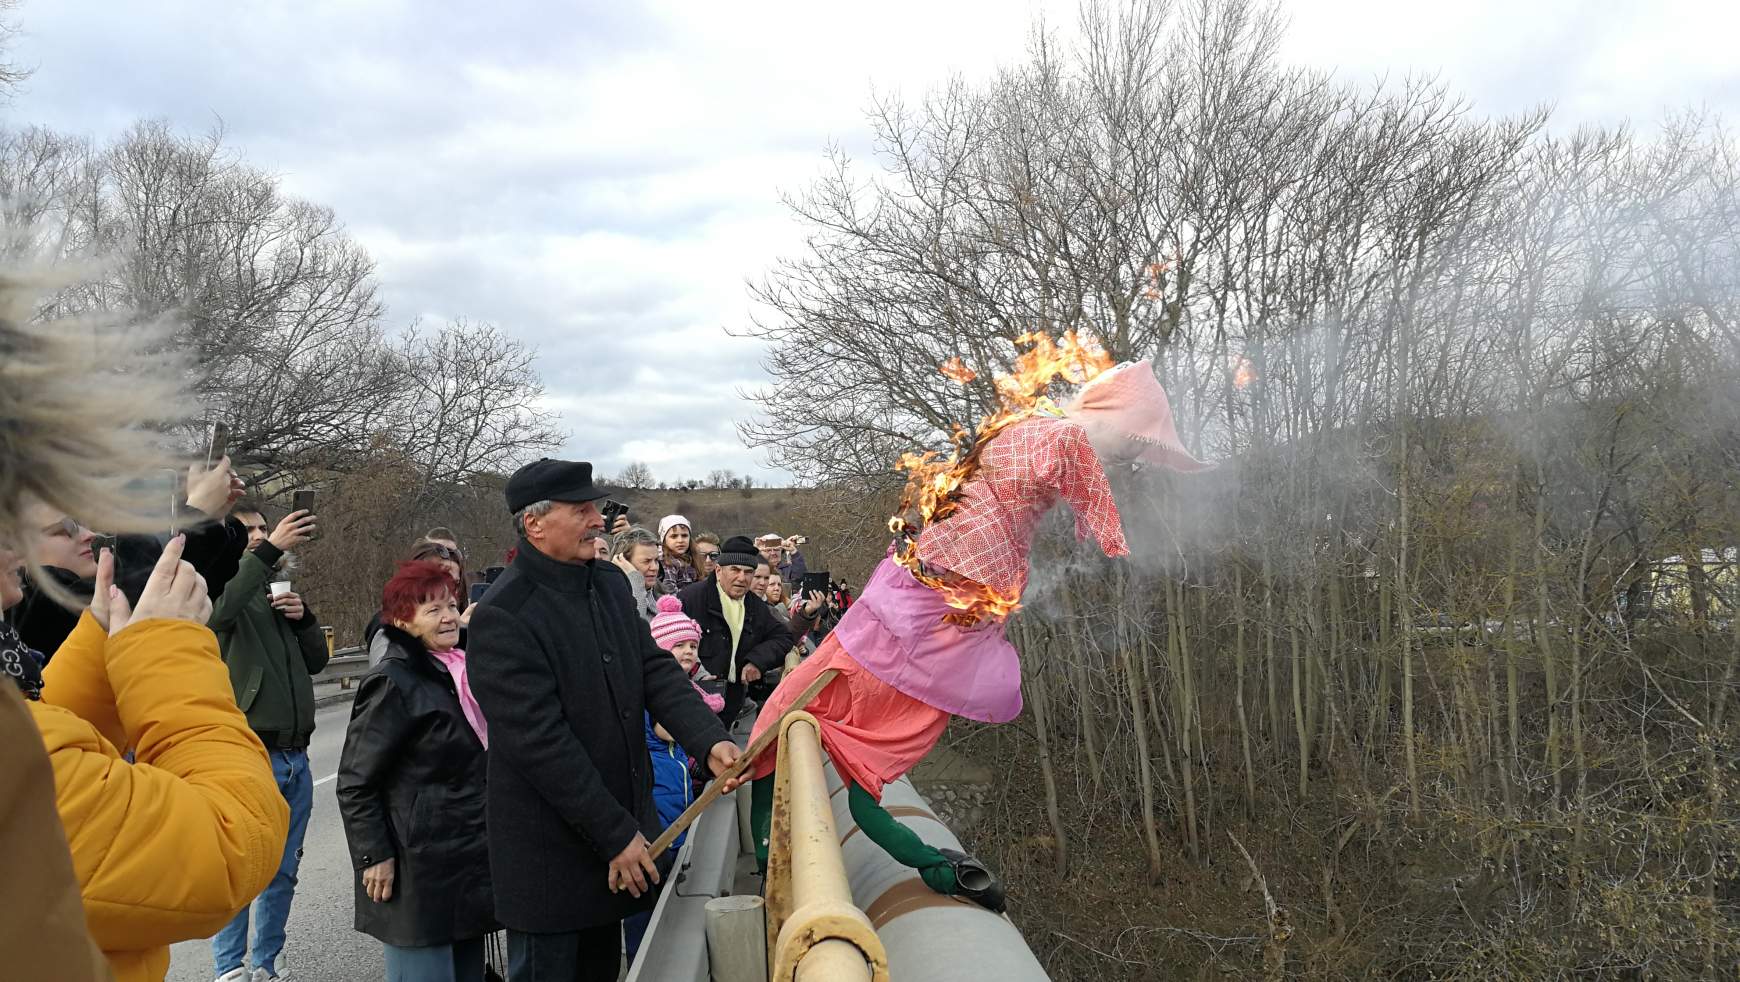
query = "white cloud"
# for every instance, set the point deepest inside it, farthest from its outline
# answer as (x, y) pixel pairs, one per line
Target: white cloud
(601, 179)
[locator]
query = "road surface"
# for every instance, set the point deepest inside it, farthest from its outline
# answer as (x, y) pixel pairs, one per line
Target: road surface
(321, 945)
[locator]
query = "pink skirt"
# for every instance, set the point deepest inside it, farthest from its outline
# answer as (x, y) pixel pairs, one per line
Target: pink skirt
(873, 732)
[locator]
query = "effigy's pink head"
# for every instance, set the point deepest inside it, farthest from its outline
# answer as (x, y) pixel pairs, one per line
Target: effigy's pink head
(1127, 404)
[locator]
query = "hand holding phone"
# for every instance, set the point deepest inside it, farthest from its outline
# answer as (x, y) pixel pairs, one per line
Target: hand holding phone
(302, 500)
(219, 446)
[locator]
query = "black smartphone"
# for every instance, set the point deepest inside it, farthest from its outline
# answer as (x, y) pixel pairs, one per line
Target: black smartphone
(612, 511)
(101, 541)
(303, 500)
(478, 590)
(490, 573)
(219, 445)
(815, 583)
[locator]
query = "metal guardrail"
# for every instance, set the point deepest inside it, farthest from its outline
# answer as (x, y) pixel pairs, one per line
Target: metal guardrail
(346, 666)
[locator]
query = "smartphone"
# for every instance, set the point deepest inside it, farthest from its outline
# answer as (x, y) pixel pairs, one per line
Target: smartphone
(612, 511)
(176, 482)
(816, 583)
(220, 444)
(303, 500)
(478, 590)
(490, 573)
(101, 541)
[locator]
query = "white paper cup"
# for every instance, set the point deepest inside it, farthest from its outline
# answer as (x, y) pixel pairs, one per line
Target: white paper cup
(280, 588)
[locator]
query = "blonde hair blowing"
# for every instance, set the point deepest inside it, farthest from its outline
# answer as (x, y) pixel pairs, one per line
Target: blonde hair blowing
(87, 403)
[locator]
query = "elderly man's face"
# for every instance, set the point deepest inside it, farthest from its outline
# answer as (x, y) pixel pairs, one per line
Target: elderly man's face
(568, 532)
(736, 581)
(769, 549)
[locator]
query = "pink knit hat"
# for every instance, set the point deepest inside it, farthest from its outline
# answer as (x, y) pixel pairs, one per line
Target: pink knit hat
(672, 627)
(1128, 400)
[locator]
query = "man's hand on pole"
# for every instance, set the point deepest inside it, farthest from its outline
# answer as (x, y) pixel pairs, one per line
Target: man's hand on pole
(720, 759)
(633, 868)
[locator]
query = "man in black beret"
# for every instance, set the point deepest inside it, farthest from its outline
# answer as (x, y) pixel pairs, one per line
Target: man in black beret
(563, 670)
(741, 639)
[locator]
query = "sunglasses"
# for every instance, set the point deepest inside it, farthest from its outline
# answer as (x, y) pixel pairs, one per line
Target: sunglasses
(65, 528)
(435, 549)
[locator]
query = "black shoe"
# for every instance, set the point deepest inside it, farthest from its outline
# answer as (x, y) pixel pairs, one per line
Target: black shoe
(974, 882)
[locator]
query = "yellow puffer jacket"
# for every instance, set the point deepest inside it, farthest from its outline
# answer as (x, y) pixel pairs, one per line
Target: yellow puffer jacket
(170, 847)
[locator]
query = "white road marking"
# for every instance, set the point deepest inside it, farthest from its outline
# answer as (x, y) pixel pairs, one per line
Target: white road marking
(324, 780)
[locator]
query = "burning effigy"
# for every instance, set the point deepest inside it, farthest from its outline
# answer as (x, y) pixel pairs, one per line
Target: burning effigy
(925, 639)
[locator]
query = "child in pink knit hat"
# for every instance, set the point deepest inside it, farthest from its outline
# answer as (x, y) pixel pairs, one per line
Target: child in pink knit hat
(679, 634)
(673, 783)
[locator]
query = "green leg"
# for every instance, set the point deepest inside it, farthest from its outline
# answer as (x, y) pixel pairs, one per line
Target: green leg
(761, 818)
(900, 842)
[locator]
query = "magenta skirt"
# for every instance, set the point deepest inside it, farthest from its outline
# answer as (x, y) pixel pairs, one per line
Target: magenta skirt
(896, 631)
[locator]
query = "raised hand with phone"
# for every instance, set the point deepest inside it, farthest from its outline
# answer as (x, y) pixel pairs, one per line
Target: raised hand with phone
(294, 529)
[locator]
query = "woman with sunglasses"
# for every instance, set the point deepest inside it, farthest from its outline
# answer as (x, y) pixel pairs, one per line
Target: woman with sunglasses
(68, 559)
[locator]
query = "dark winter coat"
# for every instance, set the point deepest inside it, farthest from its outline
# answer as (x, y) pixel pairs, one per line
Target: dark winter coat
(564, 669)
(411, 787)
(763, 643)
(41, 622)
(272, 659)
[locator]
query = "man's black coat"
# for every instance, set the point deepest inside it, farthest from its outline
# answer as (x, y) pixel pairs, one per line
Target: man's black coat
(764, 641)
(563, 669)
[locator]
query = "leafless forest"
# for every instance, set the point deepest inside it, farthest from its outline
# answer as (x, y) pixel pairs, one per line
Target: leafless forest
(1432, 678)
(291, 346)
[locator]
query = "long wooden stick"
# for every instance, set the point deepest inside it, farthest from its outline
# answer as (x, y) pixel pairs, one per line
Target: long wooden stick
(742, 763)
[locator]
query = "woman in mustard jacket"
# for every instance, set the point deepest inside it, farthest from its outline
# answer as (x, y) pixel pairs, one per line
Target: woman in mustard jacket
(166, 848)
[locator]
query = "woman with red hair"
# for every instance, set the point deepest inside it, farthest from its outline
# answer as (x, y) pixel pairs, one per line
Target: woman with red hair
(411, 788)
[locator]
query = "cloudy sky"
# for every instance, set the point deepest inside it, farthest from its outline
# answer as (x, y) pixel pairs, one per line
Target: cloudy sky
(602, 179)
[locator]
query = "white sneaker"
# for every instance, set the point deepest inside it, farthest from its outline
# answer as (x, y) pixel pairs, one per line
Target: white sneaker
(235, 975)
(262, 975)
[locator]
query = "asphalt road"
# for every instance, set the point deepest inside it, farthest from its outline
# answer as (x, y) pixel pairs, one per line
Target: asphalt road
(321, 945)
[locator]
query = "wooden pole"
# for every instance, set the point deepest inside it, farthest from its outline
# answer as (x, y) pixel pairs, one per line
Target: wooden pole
(756, 746)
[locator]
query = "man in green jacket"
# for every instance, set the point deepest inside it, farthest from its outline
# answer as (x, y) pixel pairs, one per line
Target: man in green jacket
(273, 645)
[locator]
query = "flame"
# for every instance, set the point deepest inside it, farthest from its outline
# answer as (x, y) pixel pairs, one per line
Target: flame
(934, 482)
(957, 371)
(1244, 373)
(1156, 276)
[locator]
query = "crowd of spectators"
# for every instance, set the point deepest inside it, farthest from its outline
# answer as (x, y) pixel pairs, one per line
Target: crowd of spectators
(166, 667)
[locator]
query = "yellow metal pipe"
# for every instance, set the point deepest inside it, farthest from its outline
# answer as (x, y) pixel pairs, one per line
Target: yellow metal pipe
(833, 961)
(810, 911)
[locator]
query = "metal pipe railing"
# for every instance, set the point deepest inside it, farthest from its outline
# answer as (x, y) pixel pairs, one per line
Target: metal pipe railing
(814, 931)
(928, 937)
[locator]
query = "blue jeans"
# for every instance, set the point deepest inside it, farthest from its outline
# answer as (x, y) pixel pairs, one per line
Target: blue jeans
(461, 961)
(271, 909)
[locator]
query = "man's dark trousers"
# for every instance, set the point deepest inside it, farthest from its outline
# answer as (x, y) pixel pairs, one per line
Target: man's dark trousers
(590, 955)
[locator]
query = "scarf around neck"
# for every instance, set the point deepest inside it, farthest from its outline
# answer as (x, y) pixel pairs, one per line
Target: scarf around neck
(453, 659)
(20, 662)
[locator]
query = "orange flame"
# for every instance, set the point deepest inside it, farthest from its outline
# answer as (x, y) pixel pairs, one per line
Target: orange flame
(934, 483)
(1244, 373)
(956, 370)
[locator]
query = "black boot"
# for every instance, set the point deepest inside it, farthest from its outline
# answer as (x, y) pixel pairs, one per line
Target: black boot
(974, 882)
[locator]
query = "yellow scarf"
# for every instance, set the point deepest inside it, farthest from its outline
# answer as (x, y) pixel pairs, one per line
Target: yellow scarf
(734, 620)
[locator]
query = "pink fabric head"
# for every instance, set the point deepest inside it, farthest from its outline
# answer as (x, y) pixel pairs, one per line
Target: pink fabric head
(671, 626)
(1129, 401)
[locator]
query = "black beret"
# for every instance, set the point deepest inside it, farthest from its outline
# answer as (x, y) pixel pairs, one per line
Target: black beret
(552, 480)
(739, 550)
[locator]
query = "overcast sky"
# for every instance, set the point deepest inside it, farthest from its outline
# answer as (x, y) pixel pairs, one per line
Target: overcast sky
(601, 179)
